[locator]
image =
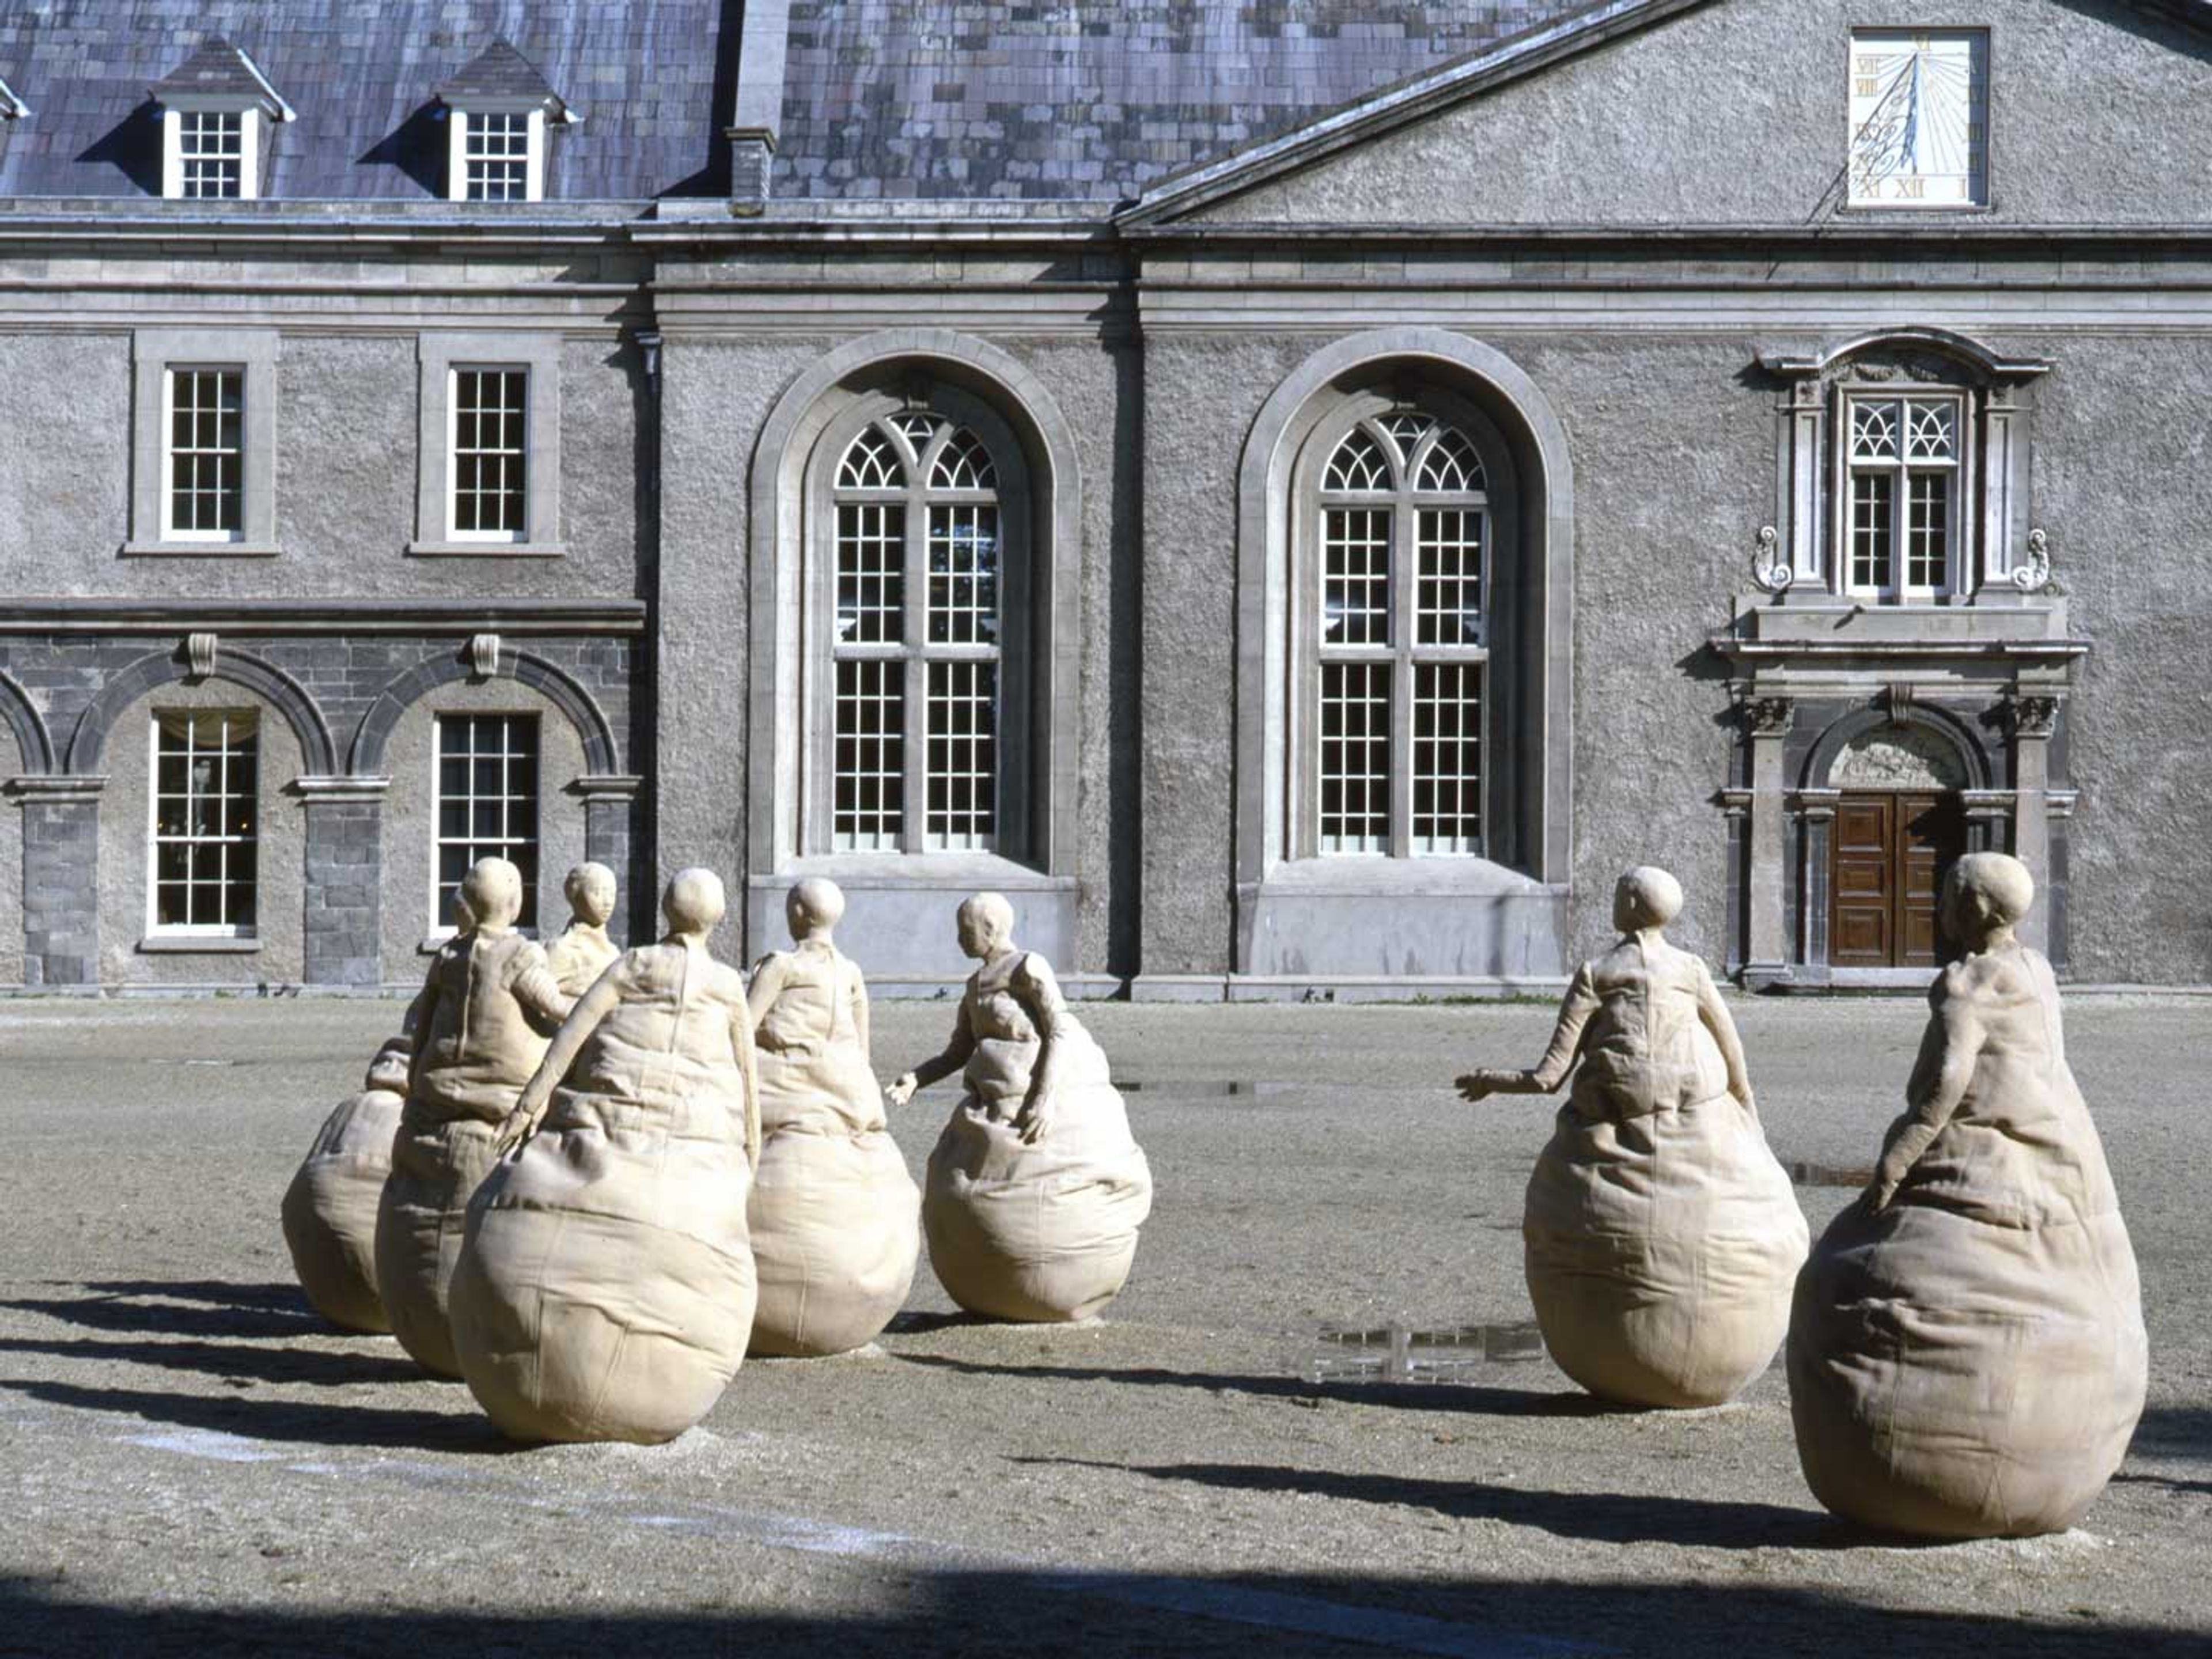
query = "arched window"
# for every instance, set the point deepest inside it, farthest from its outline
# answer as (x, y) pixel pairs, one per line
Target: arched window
(919, 573)
(1402, 533)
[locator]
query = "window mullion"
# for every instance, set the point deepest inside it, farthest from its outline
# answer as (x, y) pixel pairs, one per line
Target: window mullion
(914, 624)
(1405, 587)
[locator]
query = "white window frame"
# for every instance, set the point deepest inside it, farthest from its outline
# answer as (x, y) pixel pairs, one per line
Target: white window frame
(437, 355)
(170, 529)
(155, 928)
(173, 158)
(1405, 501)
(1962, 522)
(461, 121)
(519, 535)
(442, 925)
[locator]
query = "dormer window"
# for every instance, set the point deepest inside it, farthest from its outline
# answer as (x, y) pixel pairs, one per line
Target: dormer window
(501, 110)
(216, 109)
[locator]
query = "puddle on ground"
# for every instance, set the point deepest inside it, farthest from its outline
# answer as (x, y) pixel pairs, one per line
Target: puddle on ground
(1397, 1353)
(1802, 1174)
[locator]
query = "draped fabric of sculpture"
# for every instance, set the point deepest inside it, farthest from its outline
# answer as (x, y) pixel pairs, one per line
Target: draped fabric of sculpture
(1967, 1351)
(835, 1215)
(1036, 1188)
(488, 1006)
(1660, 1236)
(606, 1288)
(330, 1208)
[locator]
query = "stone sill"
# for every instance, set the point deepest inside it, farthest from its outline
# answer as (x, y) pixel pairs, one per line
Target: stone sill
(1354, 875)
(199, 550)
(448, 549)
(917, 871)
(1830, 621)
(1337, 989)
(231, 944)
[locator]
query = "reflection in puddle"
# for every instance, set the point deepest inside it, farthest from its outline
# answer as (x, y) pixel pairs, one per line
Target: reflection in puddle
(1397, 1354)
(1803, 1174)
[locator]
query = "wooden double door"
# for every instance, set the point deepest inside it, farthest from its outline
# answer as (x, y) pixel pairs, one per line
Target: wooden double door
(1889, 851)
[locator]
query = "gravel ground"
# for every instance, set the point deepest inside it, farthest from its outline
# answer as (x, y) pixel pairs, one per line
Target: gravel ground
(190, 1463)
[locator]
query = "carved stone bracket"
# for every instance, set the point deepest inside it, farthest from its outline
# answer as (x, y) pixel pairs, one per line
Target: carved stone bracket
(199, 655)
(484, 655)
(1768, 568)
(1896, 699)
(2033, 574)
(2033, 716)
(1770, 717)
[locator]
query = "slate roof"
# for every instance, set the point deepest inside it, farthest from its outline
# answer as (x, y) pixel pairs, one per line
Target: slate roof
(654, 77)
(1087, 100)
(10, 105)
(499, 71)
(218, 69)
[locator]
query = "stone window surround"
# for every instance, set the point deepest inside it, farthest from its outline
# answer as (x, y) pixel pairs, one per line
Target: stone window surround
(1502, 530)
(1812, 558)
(901, 895)
(153, 352)
(437, 354)
(459, 118)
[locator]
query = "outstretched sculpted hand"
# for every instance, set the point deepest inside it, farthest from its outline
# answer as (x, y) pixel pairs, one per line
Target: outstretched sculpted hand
(1478, 1086)
(517, 1127)
(901, 1090)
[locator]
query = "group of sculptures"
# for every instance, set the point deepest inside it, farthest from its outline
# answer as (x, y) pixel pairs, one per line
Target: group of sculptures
(590, 1181)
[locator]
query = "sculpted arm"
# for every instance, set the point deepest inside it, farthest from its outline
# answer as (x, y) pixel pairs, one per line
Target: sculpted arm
(768, 974)
(1940, 1078)
(543, 1001)
(860, 983)
(741, 1041)
(1549, 1073)
(956, 1056)
(422, 1017)
(593, 1007)
(1721, 1023)
(1039, 992)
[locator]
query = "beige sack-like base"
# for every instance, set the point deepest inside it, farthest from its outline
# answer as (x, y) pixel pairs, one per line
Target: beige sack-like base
(1954, 1378)
(835, 1226)
(330, 1210)
(1660, 1251)
(606, 1289)
(1043, 1234)
(419, 1222)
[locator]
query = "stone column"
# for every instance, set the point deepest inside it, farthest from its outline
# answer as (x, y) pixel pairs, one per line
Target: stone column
(2033, 718)
(1766, 958)
(1816, 814)
(342, 940)
(61, 877)
(611, 831)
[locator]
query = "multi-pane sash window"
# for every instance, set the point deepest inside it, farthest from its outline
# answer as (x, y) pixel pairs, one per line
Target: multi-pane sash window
(486, 804)
(917, 652)
(203, 460)
(206, 823)
(1403, 539)
(494, 156)
(491, 453)
(1903, 498)
(211, 152)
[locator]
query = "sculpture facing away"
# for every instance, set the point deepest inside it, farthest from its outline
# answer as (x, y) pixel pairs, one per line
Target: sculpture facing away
(488, 1006)
(1660, 1236)
(1035, 1189)
(583, 951)
(330, 1208)
(605, 1287)
(1967, 1351)
(835, 1215)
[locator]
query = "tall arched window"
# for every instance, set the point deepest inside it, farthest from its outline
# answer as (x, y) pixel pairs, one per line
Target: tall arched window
(1402, 535)
(920, 594)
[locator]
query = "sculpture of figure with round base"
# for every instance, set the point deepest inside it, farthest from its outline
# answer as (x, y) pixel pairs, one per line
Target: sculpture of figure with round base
(330, 1208)
(1035, 1189)
(605, 1287)
(1967, 1350)
(835, 1216)
(584, 952)
(488, 1006)
(1660, 1236)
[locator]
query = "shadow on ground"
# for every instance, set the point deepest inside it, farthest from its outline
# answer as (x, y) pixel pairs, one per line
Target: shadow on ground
(1000, 1614)
(196, 1307)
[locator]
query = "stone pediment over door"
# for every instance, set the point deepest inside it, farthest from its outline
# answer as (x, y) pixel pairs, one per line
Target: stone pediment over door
(1718, 114)
(1907, 757)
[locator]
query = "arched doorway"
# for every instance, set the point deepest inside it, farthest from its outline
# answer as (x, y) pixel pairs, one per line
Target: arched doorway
(1900, 824)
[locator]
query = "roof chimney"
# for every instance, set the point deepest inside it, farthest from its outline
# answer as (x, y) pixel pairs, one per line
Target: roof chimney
(759, 110)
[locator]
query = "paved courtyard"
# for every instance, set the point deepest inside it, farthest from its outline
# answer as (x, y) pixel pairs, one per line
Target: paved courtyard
(1315, 1424)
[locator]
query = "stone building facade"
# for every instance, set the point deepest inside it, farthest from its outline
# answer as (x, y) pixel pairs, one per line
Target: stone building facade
(1297, 496)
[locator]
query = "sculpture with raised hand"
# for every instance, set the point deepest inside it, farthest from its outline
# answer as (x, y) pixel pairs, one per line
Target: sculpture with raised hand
(835, 1215)
(1035, 1189)
(1967, 1350)
(605, 1287)
(329, 1209)
(582, 952)
(1660, 1236)
(487, 1008)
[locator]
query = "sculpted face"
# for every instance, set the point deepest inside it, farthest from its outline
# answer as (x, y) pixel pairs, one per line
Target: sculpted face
(985, 922)
(814, 906)
(1985, 892)
(591, 890)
